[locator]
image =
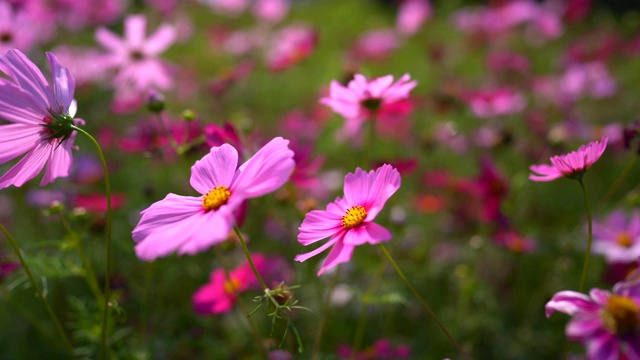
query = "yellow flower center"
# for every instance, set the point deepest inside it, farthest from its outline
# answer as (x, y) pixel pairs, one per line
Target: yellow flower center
(624, 240)
(620, 315)
(231, 286)
(355, 216)
(215, 198)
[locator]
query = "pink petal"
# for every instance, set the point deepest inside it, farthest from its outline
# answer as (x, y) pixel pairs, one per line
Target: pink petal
(328, 244)
(27, 75)
(317, 225)
(571, 303)
(216, 168)
(376, 233)
(134, 30)
(109, 40)
(18, 106)
(544, 173)
(17, 139)
(27, 168)
(266, 171)
(581, 328)
(378, 86)
(64, 84)
(604, 347)
(385, 183)
(340, 253)
(59, 162)
(160, 40)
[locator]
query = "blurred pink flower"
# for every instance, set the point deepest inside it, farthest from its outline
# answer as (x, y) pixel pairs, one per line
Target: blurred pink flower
(490, 103)
(189, 224)
(514, 241)
(270, 10)
(607, 324)
(376, 44)
(618, 237)
(290, 46)
(505, 61)
(220, 294)
(362, 99)
(348, 221)
(411, 15)
(41, 115)
(572, 165)
(17, 29)
(216, 135)
(96, 203)
(135, 57)
(88, 65)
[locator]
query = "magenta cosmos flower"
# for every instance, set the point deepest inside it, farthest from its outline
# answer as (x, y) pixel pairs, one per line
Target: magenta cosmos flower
(41, 116)
(572, 165)
(618, 237)
(607, 324)
(362, 99)
(348, 221)
(191, 224)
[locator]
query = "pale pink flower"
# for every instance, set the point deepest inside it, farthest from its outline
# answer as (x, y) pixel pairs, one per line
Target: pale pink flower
(41, 116)
(17, 30)
(411, 15)
(136, 57)
(270, 10)
(618, 237)
(362, 99)
(572, 165)
(348, 221)
(191, 224)
(376, 44)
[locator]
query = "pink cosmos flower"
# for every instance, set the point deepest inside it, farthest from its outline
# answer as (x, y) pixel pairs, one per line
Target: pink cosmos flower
(618, 237)
(17, 30)
(191, 224)
(220, 294)
(362, 99)
(136, 57)
(41, 116)
(607, 324)
(348, 221)
(376, 44)
(572, 165)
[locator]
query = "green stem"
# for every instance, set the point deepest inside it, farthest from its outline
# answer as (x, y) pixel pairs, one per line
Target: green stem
(167, 133)
(243, 308)
(424, 303)
(248, 255)
(616, 185)
(107, 285)
(362, 321)
(590, 238)
(41, 295)
(325, 315)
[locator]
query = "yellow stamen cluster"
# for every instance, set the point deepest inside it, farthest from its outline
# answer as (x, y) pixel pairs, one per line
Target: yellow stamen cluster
(355, 216)
(624, 240)
(215, 198)
(231, 286)
(620, 315)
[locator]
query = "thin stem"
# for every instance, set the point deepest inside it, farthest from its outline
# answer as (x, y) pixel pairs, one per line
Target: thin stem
(370, 138)
(424, 303)
(325, 314)
(107, 285)
(248, 255)
(41, 295)
(172, 140)
(616, 185)
(588, 252)
(243, 308)
(362, 321)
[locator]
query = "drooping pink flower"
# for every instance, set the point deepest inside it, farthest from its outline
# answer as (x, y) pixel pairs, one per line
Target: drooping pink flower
(572, 165)
(348, 221)
(220, 294)
(136, 57)
(608, 324)
(41, 116)
(191, 224)
(362, 99)
(618, 237)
